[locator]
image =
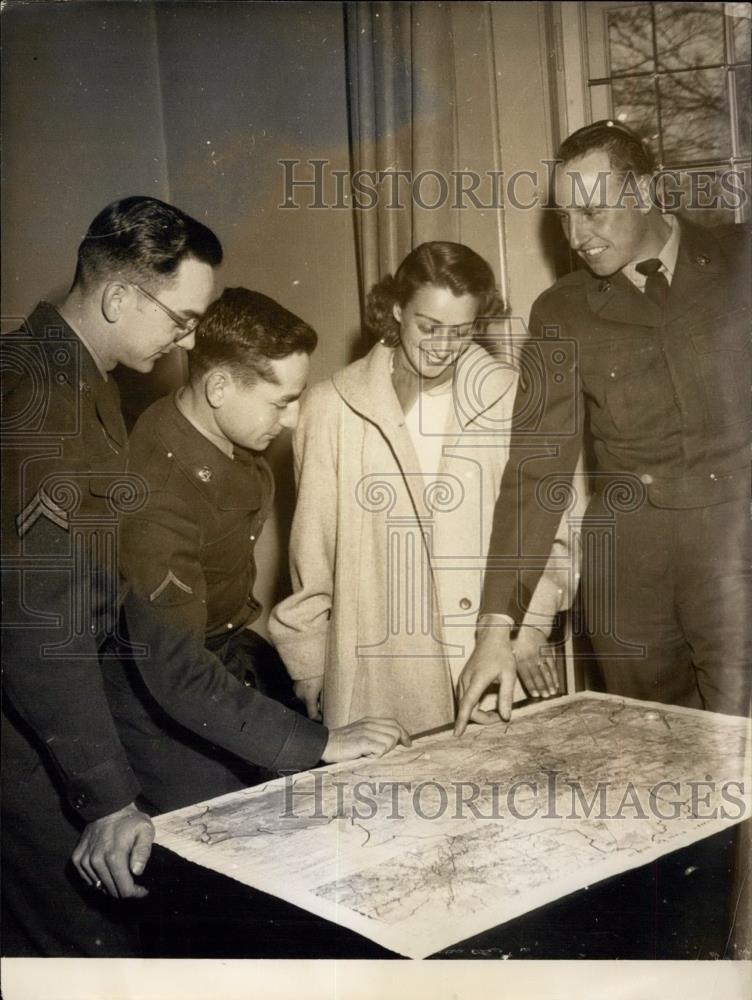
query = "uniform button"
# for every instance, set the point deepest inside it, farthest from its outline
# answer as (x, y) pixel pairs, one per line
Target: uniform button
(646, 478)
(466, 603)
(712, 475)
(169, 454)
(93, 629)
(253, 538)
(229, 624)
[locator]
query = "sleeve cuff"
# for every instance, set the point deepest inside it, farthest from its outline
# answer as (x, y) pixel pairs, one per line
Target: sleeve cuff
(304, 746)
(103, 789)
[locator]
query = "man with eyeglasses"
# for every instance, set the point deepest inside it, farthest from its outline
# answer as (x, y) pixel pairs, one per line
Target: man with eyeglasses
(145, 275)
(643, 355)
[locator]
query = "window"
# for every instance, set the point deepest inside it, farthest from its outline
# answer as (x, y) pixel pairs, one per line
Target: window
(679, 74)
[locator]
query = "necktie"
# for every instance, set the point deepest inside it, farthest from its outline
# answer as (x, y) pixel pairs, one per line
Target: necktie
(656, 286)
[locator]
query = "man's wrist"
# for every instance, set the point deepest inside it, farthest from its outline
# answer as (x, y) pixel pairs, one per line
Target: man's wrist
(494, 630)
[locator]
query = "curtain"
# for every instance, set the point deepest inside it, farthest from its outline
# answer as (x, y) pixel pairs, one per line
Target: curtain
(403, 123)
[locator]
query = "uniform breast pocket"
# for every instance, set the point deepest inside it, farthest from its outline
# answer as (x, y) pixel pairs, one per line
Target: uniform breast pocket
(226, 557)
(724, 364)
(629, 383)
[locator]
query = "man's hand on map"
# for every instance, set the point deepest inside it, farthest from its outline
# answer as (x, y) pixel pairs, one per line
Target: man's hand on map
(497, 659)
(491, 662)
(364, 738)
(113, 849)
(309, 692)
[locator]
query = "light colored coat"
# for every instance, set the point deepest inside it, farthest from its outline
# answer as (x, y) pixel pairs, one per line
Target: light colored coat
(386, 562)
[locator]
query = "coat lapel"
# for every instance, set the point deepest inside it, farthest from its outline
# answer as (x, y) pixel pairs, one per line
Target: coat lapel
(479, 382)
(107, 402)
(366, 387)
(698, 267)
(616, 299)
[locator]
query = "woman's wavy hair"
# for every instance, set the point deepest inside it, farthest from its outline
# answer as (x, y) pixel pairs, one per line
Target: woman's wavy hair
(447, 265)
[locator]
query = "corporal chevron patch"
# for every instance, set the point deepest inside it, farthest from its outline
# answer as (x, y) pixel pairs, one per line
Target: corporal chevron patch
(170, 578)
(41, 505)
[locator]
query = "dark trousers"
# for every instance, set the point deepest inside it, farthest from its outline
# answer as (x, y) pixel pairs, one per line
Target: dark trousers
(47, 910)
(667, 600)
(176, 767)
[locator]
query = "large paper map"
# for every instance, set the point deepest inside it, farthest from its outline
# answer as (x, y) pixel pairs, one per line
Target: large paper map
(430, 845)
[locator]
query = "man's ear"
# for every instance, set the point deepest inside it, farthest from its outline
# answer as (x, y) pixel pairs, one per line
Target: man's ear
(397, 312)
(114, 297)
(217, 384)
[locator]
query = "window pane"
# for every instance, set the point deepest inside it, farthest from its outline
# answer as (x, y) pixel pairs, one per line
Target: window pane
(689, 35)
(746, 184)
(741, 29)
(695, 115)
(634, 104)
(743, 79)
(630, 39)
(707, 196)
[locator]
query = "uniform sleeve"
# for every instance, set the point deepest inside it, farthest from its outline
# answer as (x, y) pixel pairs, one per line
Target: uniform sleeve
(166, 614)
(558, 583)
(545, 448)
(299, 626)
(51, 670)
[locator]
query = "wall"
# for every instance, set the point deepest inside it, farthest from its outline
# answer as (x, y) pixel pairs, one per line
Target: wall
(82, 125)
(244, 86)
(197, 103)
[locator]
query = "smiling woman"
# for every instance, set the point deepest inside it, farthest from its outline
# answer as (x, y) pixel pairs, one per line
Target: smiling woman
(399, 459)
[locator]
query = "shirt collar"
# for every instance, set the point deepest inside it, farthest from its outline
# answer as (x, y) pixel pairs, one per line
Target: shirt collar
(668, 257)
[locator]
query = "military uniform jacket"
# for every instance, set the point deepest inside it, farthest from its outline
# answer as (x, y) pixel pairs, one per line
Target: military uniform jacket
(64, 455)
(187, 555)
(665, 395)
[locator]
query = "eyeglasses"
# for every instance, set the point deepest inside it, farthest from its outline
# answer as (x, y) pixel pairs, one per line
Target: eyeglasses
(185, 326)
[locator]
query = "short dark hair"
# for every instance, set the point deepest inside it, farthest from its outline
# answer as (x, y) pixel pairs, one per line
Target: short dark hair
(627, 152)
(243, 331)
(142, 239)
(441, 263)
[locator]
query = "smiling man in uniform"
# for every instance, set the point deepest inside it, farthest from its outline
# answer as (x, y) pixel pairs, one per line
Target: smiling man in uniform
(209, 708)
(145, 275)
(646, 349)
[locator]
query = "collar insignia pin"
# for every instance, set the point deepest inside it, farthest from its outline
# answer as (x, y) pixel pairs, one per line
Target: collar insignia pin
(702, 259)
(604, 286)
(205, 474)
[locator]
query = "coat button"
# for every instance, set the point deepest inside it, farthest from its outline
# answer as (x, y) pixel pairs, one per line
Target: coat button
(466, 603)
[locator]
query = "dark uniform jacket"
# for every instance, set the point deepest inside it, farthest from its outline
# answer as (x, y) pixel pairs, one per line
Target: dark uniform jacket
(64, 456)
(188, 559)
(666, 398)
